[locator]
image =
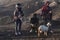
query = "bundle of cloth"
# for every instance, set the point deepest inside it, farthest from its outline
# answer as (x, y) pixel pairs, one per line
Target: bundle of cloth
(53, 4)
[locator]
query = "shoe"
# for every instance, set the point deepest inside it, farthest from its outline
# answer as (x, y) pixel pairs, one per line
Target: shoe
(19, 33)
(51, 31)
(31, 30)
(16, 33)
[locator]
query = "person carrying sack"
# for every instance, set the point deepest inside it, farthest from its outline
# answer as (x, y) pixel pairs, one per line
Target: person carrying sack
(46, 12)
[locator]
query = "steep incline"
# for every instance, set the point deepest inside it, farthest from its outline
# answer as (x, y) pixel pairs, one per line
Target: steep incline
(56, 13)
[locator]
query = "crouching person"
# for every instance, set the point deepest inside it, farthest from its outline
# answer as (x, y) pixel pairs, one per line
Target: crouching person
(18, 14)
(34, 23)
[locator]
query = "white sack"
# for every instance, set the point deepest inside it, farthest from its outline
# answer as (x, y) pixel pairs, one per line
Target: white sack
(53, 4)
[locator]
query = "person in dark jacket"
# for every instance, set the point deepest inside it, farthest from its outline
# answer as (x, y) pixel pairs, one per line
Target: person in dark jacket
(18, 14)
(34, 21)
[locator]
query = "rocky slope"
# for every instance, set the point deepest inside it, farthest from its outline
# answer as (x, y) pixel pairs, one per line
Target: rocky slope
(7, 8)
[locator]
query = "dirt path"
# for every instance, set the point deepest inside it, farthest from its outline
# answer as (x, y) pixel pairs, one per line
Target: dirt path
(7, 33)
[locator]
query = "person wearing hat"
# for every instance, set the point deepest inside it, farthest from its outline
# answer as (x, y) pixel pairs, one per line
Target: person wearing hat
(18, 14)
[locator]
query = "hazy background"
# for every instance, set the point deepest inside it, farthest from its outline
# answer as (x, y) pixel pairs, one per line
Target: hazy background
(7, 8)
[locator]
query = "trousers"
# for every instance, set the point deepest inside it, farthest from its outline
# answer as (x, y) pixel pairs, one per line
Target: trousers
(18, 25)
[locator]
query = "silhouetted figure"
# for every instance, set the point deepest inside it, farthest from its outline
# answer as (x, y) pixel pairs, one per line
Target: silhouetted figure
(18, 14)
(46, 12)
(34, 22)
